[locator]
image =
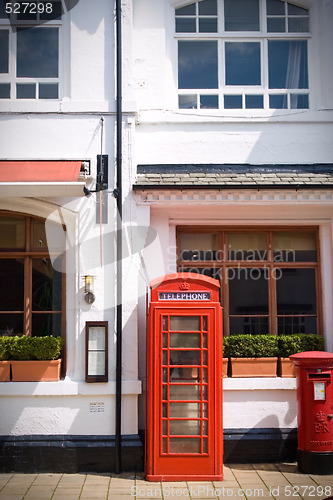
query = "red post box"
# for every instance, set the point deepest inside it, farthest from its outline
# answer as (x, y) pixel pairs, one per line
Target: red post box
(314, 371)
(184, 433)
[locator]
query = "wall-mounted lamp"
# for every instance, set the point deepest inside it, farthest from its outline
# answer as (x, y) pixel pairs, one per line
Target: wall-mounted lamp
(89, 296)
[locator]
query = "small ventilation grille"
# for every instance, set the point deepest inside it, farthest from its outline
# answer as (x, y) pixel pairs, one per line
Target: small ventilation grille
(96, 407)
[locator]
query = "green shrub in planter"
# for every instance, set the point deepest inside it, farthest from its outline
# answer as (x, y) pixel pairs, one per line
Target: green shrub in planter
(302, 342)
(250, 346)
(36, 348)
(5, 348)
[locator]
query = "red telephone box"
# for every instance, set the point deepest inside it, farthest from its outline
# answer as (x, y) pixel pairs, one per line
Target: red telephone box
(184, 431)
(315, 411)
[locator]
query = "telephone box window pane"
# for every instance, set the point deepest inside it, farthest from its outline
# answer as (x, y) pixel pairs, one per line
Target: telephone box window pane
(185, 427)
(242, 63)
(12, 232)
(197, 65)
(294, 246)
(185, 445)
(165, 323)
(250, 325)
(26, 91)
(46, 324)
(241, 15)
(165, 340)
(296, 291)
(185, 392)
(37, 52)
(204, 375)
(11, 324)
(165, 410)
(288, 64)
(199, 246)
(247, 246)
(165, 375)
(165, 392)
(185, 340)
(179, 357)
(165, 427)
(205, 446)
(248, 291)
(165, 445)
(4, 90)
(288, 325)
(12, 285)
(185, 323)
(4, 51)
(185, 410)
(205, 428)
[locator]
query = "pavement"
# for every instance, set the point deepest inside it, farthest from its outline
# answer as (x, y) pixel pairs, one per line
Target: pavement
(245, 481)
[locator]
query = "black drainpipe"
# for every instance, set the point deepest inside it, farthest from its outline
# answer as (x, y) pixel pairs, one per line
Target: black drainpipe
(119, 237)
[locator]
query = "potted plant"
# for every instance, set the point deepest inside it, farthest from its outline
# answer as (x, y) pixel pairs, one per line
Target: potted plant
(252, 355)
(4, 359)
(292, 344)
(225, 359)
(36, 359)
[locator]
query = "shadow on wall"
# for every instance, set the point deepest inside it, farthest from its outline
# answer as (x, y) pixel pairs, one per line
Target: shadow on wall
(261, 444)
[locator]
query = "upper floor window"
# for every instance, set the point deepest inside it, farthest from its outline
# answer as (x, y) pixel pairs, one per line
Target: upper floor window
(29, 50)
(242, 54)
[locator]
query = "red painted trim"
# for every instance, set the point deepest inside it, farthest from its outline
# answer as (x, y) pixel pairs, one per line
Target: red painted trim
(39, 171)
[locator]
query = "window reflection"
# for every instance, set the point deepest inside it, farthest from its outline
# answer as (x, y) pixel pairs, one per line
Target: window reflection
(197, 65)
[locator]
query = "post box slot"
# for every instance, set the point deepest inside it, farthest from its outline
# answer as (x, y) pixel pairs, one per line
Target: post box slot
(314, 376)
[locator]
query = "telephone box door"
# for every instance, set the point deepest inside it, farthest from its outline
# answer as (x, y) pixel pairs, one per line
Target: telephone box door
(185, 400)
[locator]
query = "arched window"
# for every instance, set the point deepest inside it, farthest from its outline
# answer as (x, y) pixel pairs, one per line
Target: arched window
(32, 292)
(242, 54)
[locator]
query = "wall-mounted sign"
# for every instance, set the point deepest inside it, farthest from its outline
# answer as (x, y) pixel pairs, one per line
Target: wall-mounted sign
(184, 296)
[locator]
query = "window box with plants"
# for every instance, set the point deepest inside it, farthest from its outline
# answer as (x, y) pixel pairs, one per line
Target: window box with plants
(292, 344)
(252, 355)
(34, 359)
(4, 359)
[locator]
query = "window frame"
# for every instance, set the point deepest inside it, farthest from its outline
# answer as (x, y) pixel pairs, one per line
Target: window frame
(11, 77)
(269, 263)
(263, 37)
(28, 253)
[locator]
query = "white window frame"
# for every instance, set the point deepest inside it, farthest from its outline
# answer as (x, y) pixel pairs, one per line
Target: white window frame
(11, 77)
(262, 36)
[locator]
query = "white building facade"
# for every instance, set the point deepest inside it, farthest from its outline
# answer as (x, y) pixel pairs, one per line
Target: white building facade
(226, 152)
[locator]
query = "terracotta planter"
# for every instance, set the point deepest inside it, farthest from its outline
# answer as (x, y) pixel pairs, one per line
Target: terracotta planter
(36, 371)
(253, 367)
(4, 371)
(286, 368)
(225, 367)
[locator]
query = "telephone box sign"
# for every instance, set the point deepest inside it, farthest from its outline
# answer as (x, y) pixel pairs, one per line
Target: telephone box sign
(184, 296)
(184, 431)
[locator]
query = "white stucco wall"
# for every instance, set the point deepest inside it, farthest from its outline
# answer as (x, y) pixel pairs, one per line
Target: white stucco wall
(71, 129)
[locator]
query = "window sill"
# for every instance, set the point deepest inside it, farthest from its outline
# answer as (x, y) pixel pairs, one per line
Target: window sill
(259, 384)
(194, 116)
(67, 387)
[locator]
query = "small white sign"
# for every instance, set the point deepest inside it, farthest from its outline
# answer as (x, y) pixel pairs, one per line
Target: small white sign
(319, 391)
